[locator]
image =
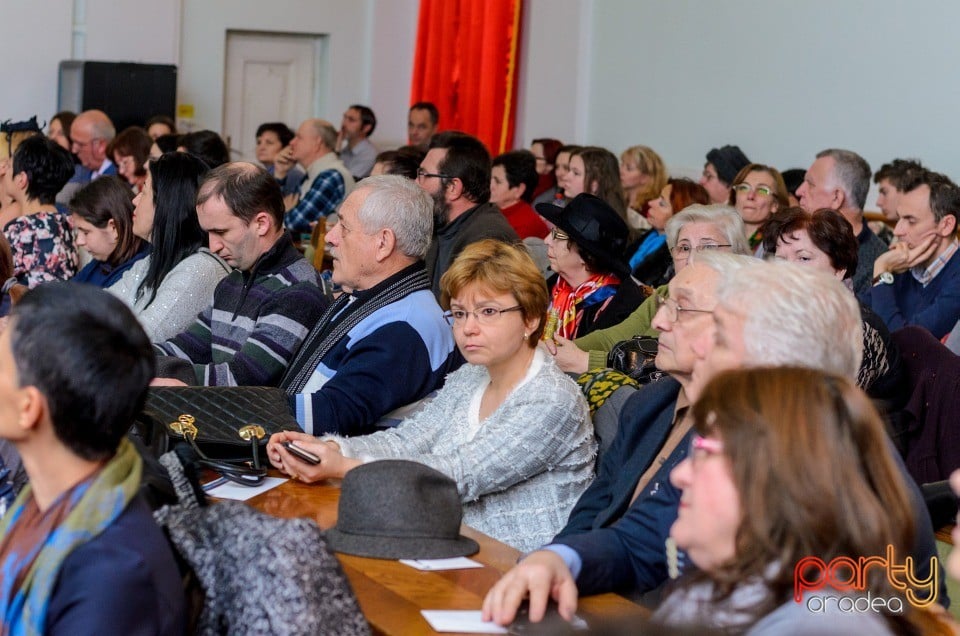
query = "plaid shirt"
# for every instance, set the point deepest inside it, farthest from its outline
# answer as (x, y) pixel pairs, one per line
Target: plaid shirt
(325, 194)
(924, 275)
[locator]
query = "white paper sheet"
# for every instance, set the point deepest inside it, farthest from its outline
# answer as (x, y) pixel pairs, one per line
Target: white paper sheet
(467, 621)
(456, 563)
(231, 490)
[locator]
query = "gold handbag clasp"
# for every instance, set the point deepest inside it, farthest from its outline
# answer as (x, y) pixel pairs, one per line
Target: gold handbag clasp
(251, 431)
(184, 426)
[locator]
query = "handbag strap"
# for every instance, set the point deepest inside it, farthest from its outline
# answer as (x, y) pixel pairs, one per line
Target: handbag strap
(240, 473)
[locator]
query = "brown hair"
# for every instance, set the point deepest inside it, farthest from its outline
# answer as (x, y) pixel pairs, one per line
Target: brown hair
(109, 199)
(6, 271)
(791, 436)
(828, 231)
(600, 166)
(501, 268)
(133, 142)
(779, 187)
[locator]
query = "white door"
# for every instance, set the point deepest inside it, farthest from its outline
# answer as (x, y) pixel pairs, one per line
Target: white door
(269, 77)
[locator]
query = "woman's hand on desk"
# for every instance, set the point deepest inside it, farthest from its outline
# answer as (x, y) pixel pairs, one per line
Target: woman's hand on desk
(541, 576)
(332, 463)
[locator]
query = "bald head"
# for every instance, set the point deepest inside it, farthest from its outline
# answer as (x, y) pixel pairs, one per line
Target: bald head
(314, 139)
(91, 132)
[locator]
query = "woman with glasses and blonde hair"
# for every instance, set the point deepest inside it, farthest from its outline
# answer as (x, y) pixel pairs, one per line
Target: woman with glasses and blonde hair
(509, 427)
(698, 228)
(758, 192)
(788, 470)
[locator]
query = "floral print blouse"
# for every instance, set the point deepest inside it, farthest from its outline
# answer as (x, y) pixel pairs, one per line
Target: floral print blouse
(43, 248)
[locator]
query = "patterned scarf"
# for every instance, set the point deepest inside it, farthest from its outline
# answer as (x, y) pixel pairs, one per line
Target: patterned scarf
(568, 303)
(87, 509)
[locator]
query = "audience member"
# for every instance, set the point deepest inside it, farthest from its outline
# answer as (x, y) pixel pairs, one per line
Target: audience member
(839, 180)
(893, 179)
(175, 282)
(560, 171)
(79, 549)
(264, 308)
(353, 143)
(160, 125)
(11, 136)
(41, 237)
(10, 294)
(545, 152)
(456, 174)
(721, 167)
(917, 282)
(825, 241)
(404, 161)
(749, 524)
(642, 176)
(650, 261)
(513, 177)
(508, 426)
(758, 192)
(207, 146)
(272, 138)
(422, 120)
(595, 171)
(592, 288)
(90, 136)
(130, 150)
(327, 181)
(344, 378)
(698, 228)
(59, 128)
(103, 219)
(767, 314)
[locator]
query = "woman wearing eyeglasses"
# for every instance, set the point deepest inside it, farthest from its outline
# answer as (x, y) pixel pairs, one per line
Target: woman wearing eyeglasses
(509, 427)
(130, 151)
(763, 495)
(757, 192)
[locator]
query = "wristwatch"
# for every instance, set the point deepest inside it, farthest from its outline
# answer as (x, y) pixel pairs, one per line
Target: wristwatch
(885, 278)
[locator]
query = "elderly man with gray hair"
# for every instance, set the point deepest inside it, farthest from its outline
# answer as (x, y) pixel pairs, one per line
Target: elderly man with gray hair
(839, 180)
(768, 314)
(385, 344)
(327, 182)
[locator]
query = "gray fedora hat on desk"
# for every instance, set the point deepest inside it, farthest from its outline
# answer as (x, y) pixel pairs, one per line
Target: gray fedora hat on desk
(397, 509)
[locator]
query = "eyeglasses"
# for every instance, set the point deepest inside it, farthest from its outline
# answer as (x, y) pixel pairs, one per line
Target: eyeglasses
(559, 235)
(423, 174)
(81, 144)
(484, 315)
(761, 190)
(673, 310)
(683, 250)
(701, 447)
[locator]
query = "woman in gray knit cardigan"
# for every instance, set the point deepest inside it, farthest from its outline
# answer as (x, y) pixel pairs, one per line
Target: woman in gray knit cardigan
(509, 427)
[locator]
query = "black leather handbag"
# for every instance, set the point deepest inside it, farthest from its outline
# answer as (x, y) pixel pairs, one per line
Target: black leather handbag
(636, 358)
(228, 427)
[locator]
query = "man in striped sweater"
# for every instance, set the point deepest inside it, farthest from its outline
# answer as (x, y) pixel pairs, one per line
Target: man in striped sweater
(263, 310)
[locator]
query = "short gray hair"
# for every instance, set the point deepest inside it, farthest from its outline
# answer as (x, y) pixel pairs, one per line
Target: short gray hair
(852, 173)
(326, 132)
(795, 316)
(400, 205)
(725, 217)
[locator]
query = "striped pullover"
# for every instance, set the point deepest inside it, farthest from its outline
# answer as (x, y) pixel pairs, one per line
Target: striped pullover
(256, 324)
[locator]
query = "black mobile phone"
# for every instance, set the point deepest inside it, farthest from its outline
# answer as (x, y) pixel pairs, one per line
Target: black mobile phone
(301, 453)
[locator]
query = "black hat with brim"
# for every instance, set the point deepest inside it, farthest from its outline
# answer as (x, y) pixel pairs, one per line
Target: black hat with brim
(595, 227)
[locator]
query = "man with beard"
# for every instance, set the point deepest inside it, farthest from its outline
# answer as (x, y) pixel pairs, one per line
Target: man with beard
(456, 173)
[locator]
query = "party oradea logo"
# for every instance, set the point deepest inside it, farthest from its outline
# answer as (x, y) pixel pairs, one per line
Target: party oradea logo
(842, 584)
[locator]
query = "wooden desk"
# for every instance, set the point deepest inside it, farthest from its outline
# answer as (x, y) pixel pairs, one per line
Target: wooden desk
(391, 594)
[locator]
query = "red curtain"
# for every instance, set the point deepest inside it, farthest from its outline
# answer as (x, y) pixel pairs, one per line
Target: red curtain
(467, 62)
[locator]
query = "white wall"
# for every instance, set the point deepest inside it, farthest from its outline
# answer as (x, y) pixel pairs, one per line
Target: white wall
(782, 80)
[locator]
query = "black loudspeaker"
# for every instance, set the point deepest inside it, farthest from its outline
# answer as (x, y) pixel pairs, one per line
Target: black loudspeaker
(128, 93)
